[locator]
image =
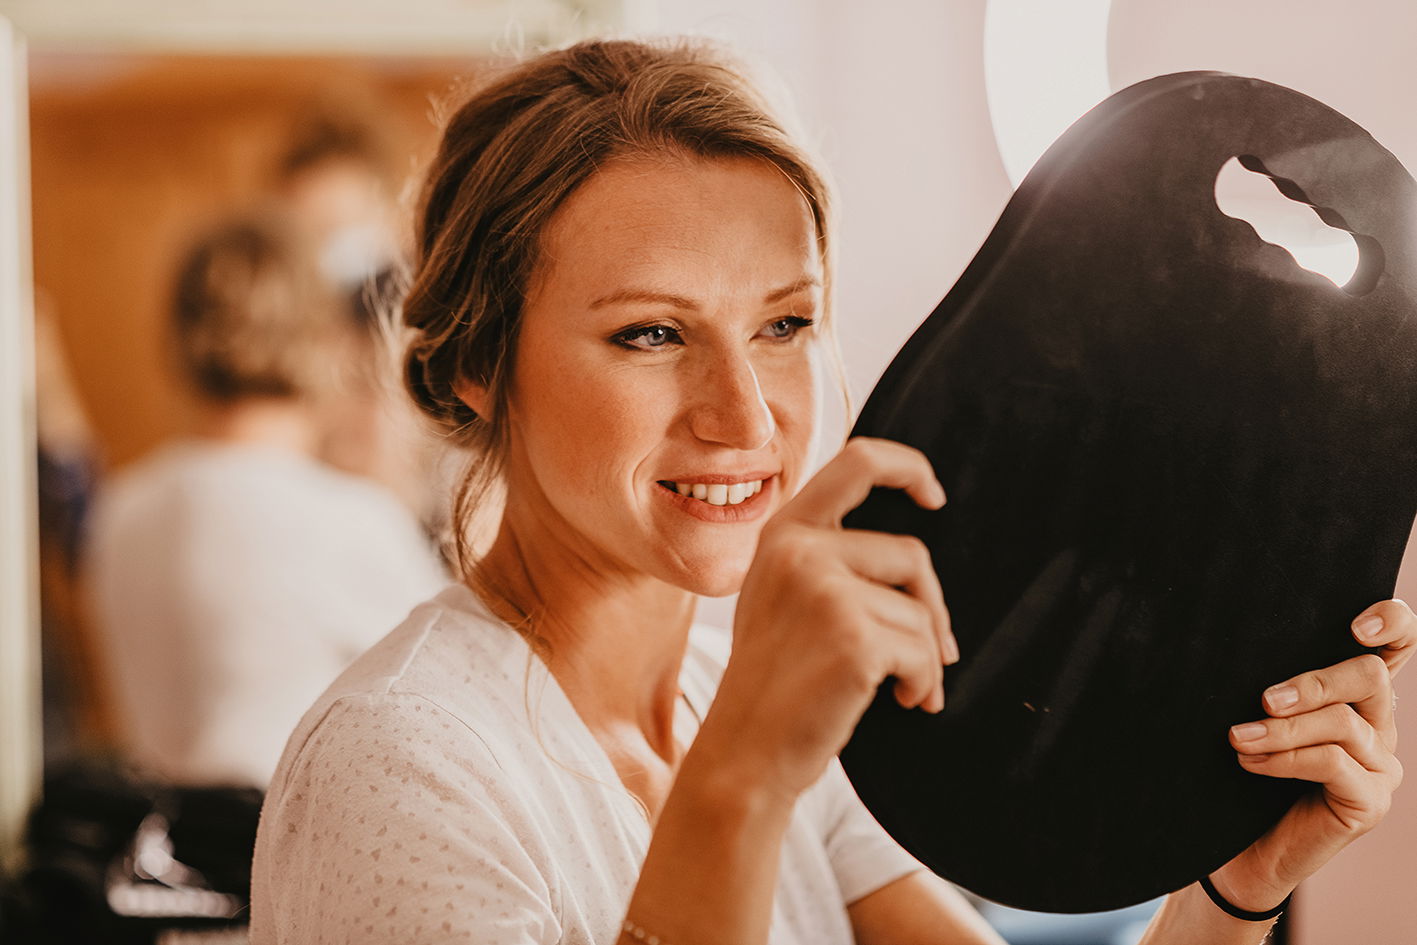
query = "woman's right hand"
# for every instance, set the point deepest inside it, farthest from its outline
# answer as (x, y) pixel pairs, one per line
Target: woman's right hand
(825, 615)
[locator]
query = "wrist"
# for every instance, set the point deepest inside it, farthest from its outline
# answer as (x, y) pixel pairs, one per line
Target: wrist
(1230, 909)
(730, 760)
(711, 869)
(1248, 885)
(731, 781)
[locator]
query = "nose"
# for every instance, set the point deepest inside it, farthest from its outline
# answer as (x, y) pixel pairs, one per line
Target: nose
(730, 408)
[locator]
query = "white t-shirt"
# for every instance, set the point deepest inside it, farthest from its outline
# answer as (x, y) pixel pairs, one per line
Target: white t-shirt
(231, 584)
(445, 790)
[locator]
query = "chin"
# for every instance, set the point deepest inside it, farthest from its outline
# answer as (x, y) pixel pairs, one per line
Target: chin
(724, 588)
(711, 576)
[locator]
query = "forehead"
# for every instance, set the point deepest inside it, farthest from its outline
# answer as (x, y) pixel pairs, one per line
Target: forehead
(706, 225)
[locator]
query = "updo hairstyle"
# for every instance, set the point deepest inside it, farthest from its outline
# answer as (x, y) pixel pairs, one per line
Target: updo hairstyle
(251, 317)
(510, 155)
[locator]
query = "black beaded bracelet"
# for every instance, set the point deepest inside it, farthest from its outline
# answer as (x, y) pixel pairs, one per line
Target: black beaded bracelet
(1230, 908)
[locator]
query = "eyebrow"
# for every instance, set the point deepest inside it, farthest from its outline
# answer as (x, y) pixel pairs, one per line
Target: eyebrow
(679, 301)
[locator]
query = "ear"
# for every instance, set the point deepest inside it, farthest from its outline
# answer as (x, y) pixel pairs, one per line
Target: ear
(474, 395)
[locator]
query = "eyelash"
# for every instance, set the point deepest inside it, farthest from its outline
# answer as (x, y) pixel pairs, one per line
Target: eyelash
(626, 338)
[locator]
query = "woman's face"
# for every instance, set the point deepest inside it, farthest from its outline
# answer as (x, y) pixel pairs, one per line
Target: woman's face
(663, 397)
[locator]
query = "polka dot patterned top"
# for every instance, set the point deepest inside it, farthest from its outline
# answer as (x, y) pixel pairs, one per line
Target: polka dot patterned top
(444, 790)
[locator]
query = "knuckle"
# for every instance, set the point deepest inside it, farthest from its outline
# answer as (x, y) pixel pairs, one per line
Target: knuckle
(916, 681)
(1371, 669)
(860, 452)
(1353, 724)
(910, 452)
(1363, 735)
(776, 533)
(923, 682)
(792, 547)
(1280, 731)
(1379, 807)
(1283, 760)
(861, 674)
(1366, 810)
(1333, 757)
(1315, 689)
(1394, 610)
(917, 551)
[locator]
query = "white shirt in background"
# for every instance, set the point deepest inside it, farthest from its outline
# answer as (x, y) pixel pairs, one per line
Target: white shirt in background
(231, 584)
(444, 789)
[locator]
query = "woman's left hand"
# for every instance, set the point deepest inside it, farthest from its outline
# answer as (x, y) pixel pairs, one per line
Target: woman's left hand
(1333, 726)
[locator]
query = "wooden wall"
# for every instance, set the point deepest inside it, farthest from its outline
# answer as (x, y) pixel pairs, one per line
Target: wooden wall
(131, 156)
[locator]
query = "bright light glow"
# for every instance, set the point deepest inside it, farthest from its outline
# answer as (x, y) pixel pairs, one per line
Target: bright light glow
(1045, 65)
(1316, 246)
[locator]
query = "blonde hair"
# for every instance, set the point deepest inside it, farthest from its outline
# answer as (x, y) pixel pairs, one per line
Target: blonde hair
(510, 155)
(251, 316)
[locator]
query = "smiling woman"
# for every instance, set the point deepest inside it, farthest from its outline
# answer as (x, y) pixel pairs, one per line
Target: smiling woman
(621, 290)
(619, 305)
(534, 199)
(618, 389)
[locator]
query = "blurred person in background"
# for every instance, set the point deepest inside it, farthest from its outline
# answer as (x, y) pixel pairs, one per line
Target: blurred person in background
(233, 573)
(337, 180)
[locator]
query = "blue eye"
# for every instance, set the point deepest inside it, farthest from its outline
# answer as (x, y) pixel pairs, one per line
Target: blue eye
(786, 328)
(648, 336)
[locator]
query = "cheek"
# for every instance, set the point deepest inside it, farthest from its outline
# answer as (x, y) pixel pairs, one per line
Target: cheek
(585, 421)
(791, 391)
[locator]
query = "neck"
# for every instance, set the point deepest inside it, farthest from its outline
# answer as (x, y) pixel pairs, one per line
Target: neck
(281, 423)
(615, 640)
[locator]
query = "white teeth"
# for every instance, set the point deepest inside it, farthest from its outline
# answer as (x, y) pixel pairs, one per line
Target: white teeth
(719, 493)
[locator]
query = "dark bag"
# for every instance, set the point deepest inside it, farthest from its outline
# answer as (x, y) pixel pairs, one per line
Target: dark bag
(116, 858)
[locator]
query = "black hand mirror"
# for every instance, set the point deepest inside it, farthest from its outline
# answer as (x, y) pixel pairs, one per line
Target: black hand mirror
(1178, 466)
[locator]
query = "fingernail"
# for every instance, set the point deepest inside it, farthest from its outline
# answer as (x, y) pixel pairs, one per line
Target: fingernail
(1281, 697)
(1254, 759)
(951, 650)
(1248, 732)
(940, 497)
(1368, 627)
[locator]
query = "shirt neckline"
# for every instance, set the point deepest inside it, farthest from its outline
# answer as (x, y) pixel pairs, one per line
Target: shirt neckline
(463, 597)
